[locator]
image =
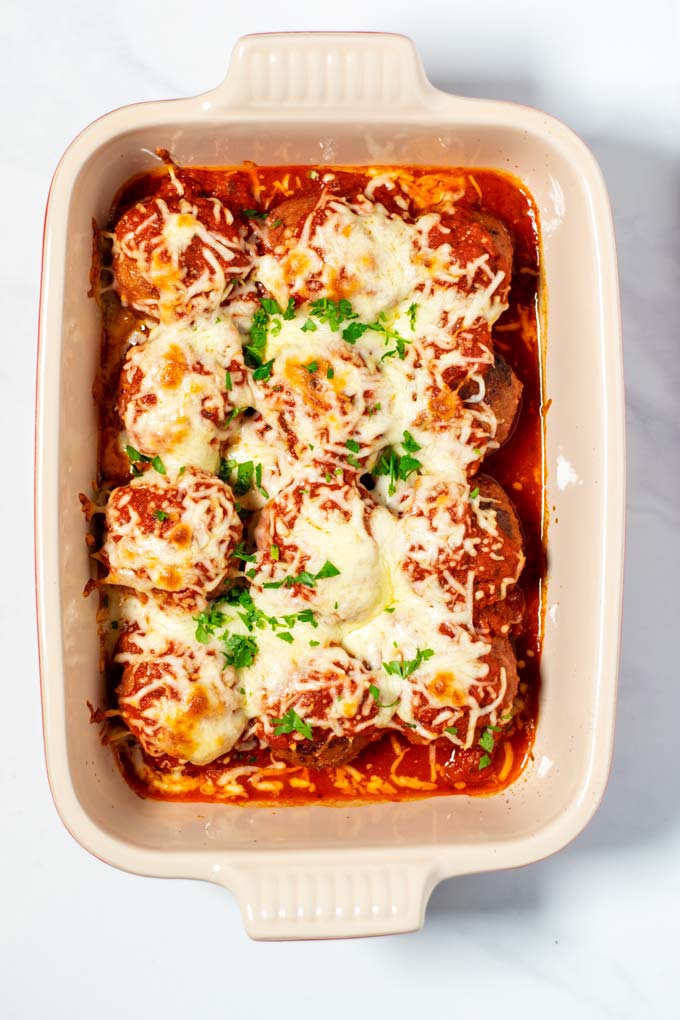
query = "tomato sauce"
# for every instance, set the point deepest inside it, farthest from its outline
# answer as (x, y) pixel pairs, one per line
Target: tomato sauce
(391, 768)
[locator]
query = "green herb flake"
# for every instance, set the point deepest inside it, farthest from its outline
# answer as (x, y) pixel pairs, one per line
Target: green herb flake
(263, 371)
(405, 667)
(240, 553)
(409, 443)
(274, 552)
(160, 515)
(240, 651)
(292, 723)
(309, 326)
(327, 570)
(484, 762)
(255, 214)
(312, 367)
(452, 730)
(228, 381)
(158, 465)
(330, 372)
(314, 644)
(474, 493)
(286, 636)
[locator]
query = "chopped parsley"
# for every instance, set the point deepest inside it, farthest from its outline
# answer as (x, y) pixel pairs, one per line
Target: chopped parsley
(330, 373)
(274, 552)
(258, 481)
(409, 443)
(259, 329)
(286, 636)
(484, 762)
(453, 730)
(312, 366)
(208, 622)
(240, 553)
(239, 650)
(334, 313)
(247, 472)
(305, 578)
(412, 311)
(475, 492)
(228, 381)
(309, 327)
(135, 458)
(160, 515)
(292, 723)
(256, 214)
(395, 466)
(404, 667)
(263, 371)
(355, 447)
(375, 694)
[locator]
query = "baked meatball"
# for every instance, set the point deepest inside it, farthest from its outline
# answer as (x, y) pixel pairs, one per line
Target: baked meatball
(171, 534)
(325, 247)
(319, 392)
(317, 549)
(175, 694)
(465, 545)
(178, 389)
(176, 256)
(435, 678)
(321, 712)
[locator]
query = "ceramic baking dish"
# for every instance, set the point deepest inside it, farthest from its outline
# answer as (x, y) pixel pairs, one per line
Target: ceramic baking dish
(314, 871)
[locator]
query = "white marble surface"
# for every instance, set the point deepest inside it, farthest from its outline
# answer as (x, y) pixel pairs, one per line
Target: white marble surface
(593, 932)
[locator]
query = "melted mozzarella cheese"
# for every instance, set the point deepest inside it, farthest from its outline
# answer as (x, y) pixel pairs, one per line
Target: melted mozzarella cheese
(185, 549)
(364, 257)
(331, 525)
(178, 392)
(190, 706)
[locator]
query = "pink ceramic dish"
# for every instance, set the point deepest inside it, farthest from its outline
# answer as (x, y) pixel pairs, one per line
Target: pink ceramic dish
(314, 871)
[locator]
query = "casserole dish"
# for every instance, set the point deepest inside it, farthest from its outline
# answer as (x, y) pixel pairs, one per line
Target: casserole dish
(318, 871)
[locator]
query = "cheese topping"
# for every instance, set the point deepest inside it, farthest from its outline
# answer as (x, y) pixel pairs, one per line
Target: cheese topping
(340, 394)
(170, 535)
(178, 389)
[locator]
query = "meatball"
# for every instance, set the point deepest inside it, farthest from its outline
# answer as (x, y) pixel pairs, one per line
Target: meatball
(435, 678)
(171, 535)
(319, 391)
(175, 695)
(175, 256)
(256, 451)
(178, 389)
(466, 545)
(501, 391)
(317, 548)
(326, 248)
(321, 712)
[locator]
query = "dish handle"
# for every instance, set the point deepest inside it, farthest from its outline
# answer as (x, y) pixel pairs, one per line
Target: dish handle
(330, 898)
(307, 70)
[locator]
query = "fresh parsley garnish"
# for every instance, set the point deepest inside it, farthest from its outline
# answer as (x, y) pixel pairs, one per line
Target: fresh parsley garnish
(330, 372)
(292, 723)
(334, 313)
(256, 214)
(484, 762)
(309, 327)
(412, 311)
(286, 636)
(475, 492)
(263, 371)
(160, 515)
(453, 730)
(240, 650)
(395, 466)
(404, 667)
(228, 381)
(354, 447)
(240, 553)
(312, 366)
(375, 694)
